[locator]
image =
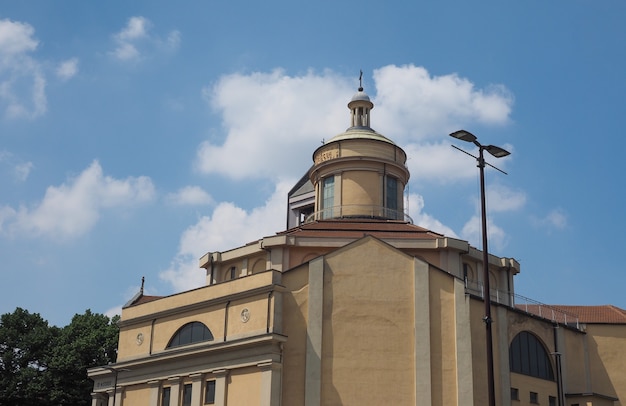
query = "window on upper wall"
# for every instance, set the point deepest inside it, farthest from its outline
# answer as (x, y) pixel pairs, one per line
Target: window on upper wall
(514, 394)
(328, 197)
(551, 401)
(232, 273)
(209, 393)
(534, 398)
(391, 193)
(190, 333)
(187, 395)
(528, 356)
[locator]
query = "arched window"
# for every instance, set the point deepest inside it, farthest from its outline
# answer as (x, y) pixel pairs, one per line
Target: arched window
(190, 333)
(528, 356)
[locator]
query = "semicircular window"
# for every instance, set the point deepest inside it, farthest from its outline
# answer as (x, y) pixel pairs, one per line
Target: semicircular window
(528, 356)
(190, 333)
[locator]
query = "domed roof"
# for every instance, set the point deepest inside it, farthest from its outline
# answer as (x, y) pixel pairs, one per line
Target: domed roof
(360, 96)
(360, 133)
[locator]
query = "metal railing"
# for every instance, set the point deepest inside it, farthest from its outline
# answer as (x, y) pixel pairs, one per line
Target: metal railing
(355, 211)
(525, 304)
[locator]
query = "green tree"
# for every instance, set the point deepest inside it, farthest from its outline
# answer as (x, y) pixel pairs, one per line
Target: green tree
(46, 365)
(25, 340)
(88, 341)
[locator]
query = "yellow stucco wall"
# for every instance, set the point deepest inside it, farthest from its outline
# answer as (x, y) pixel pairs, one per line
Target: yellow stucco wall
(362, 188)
(606, 349)
(158, 331)
(525, 384)
(295, 316)
(244, 387)
(368, 326)
(443, 339)
(136, 395)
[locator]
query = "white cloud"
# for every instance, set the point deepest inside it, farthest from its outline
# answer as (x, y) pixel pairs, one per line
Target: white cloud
(555, 219)
(501, 198)
(190, 195)
(414, 106)
(228, 227)
(73, 208)
(16, 38)
(136, 28)
(22, 83)
(472, 232)
(22, 170)
(135, 40)
(416, 211)
(266, 114)
(67, 69)
(273, 122)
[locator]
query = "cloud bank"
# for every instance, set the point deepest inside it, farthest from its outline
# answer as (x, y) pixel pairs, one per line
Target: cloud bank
(73, 208)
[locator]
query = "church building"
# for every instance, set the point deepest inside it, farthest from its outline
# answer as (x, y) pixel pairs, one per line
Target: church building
(355, 305)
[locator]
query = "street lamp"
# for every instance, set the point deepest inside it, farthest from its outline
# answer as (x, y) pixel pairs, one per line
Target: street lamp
(498, 153)
(115, 372)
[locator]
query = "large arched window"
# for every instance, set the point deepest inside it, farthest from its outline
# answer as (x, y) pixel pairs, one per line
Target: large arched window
(528, 356)
(190, 333)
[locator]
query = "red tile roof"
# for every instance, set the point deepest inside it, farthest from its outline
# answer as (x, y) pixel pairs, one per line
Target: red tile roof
(603, 314)
(358, 228)
(145, 299)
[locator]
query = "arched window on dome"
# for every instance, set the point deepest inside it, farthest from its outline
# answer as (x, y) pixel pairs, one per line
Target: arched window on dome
(190, 333)
(528, 356)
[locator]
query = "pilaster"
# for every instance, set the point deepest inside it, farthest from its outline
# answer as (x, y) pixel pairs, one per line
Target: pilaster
(154, 386)
(313, 364)
(270, 383)
(421, 294)
(174, 390)
(220, 386)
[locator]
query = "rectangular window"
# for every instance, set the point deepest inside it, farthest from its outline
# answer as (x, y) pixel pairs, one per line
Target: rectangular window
(187, 395)
(209, 393)
(392, 194)
(328, 197)
(514, 394)
(165, 397)
(551, 401)
(534, 398)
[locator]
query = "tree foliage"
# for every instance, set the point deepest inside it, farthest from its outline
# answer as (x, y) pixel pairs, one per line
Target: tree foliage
(47, 365)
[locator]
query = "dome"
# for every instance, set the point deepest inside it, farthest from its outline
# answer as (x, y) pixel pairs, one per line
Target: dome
(360, 96)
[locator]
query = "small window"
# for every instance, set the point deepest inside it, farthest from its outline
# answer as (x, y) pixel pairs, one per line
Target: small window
(165, 396)
(190, 333)
(232, 272)
(328, 197)
(209, 393)
(392, 193)
(187, 395)
(551, 401)
(534, 398)
(514, 394)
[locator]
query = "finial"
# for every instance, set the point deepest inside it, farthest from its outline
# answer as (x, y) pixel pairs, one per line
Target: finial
(361, 80)
(143, 280)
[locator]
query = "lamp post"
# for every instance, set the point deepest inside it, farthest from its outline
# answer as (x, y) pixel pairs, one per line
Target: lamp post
(115, 372)
(498, 153)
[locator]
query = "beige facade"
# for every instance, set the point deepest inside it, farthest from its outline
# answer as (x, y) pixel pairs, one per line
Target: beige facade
(355, 305)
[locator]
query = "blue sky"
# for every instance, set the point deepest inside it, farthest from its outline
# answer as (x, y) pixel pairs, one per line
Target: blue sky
(137, 136)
